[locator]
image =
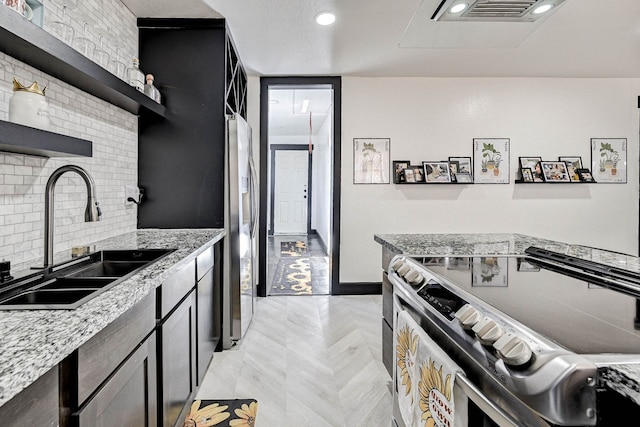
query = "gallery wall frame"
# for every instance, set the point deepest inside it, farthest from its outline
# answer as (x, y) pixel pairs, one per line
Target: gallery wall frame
(609, 160)
(371, 160)
(491, 160)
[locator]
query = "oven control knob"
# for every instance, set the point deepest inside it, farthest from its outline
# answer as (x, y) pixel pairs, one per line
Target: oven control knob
(488, 331)
(414, 278)
(403, 269)
(397, 264)
(468, 316)
(513, 350)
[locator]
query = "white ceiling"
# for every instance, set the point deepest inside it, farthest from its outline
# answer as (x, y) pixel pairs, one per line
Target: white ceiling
(395, 38)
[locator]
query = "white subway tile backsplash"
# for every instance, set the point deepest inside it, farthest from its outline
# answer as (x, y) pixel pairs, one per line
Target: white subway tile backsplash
(113, 131)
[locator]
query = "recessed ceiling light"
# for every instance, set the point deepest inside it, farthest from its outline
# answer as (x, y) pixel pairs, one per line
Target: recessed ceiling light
(325, 18)
(542, 9)
(457, 8)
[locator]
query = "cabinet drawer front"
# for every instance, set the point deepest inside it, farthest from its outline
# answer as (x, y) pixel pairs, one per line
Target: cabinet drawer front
(128, 399)
(102, 354)
(176, 287)
(204, 262)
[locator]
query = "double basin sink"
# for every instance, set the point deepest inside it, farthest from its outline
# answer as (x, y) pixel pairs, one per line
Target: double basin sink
(70, 284)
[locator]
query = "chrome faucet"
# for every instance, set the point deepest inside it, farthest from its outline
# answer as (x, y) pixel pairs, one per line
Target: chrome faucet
(91, 214)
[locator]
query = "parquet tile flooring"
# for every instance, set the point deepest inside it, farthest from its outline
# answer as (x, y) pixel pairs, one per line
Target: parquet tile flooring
(309, 361)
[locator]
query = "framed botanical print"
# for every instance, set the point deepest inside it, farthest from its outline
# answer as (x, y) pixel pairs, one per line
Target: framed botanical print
(609, 160)
(491, 160)
(371, 160)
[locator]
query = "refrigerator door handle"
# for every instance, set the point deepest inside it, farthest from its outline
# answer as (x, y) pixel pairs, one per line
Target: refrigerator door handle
(253, 186)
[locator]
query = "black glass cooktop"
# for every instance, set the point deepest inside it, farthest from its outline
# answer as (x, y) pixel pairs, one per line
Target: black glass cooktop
(584, 315)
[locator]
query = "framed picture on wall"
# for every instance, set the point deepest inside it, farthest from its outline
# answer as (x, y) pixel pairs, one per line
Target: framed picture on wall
(527, 175)
(573, 164)
(491, 160)
(464, 164)
(555, 172)
(609, 160)
(371, 160)
(437, 172)
(418, 172)
(398, 170)
(533, 163)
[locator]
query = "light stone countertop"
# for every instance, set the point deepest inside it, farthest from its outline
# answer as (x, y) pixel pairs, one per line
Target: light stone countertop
(624, 379)
(34, 341)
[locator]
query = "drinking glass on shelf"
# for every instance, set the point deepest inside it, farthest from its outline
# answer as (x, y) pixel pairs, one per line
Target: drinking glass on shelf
(100, 55)
(117, 67)
(84, 44)
(63, 29)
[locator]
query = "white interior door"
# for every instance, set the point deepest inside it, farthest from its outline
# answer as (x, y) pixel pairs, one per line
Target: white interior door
(291, 192)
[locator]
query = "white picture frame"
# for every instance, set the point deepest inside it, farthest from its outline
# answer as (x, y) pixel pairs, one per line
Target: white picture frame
(609, 160)
(491, 161)
(371, 160)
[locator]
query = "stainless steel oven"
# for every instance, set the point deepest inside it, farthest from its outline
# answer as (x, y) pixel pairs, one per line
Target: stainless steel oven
(532, 335)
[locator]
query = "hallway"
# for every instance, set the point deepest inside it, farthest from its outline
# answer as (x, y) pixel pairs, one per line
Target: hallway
(309, 361)
(317, 267)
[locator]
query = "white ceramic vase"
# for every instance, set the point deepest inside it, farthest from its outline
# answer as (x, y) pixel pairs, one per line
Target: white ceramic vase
(28, 106)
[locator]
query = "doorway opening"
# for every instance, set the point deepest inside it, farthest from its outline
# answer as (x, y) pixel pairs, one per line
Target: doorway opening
(299, 185)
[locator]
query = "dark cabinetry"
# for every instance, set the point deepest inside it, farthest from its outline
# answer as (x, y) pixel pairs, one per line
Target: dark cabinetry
(37, 405)
(208, 297)
(176, 331)
(181, 158)
(387, 313)
(112, 376)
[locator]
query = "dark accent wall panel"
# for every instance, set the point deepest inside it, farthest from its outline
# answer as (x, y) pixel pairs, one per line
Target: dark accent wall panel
(181, 157)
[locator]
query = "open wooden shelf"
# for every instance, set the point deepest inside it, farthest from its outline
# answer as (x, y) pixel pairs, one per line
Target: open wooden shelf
(34, 46)
(15, 138)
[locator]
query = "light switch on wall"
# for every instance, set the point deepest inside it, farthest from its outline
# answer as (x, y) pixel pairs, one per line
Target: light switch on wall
(131, 192)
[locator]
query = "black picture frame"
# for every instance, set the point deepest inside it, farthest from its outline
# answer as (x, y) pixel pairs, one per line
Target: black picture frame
(555, 172)
(409, 176)
(527, 175)
(454, 166)
(465, 164)
(573, 164)
(531, 162)
(418, 172)
(437, 172)
(585, 175)
(398, 171)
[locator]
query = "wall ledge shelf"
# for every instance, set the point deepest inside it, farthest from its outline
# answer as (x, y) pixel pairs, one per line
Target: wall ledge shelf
(34, 46)
(15, 138)
(554, 183)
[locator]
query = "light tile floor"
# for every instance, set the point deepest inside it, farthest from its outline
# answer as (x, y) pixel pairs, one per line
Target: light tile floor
(310, 361)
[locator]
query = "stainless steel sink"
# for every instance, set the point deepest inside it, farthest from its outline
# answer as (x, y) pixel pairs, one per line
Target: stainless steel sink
(70, 284)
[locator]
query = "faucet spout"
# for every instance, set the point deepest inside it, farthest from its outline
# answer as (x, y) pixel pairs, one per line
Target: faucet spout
(92, 212)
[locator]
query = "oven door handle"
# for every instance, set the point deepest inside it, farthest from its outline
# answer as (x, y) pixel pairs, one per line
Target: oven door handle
(489, 408)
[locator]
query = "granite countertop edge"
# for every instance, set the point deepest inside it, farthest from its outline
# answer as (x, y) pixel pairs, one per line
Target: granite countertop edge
(621, 378)
(27, 353)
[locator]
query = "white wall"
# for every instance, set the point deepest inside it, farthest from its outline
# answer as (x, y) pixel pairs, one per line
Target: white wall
(322, 179)
(434, 118)
(114, 164)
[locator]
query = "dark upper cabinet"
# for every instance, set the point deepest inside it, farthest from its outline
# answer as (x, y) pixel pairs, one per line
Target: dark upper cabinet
(181, 158)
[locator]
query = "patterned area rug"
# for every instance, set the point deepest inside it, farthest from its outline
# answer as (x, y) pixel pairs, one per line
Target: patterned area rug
(224, 413)
(293, 272)
(292, 249)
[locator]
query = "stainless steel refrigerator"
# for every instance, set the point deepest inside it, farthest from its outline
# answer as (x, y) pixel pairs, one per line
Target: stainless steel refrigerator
(239, 291)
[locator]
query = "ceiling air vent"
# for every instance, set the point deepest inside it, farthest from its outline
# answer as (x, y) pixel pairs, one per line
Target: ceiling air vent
(494, 10)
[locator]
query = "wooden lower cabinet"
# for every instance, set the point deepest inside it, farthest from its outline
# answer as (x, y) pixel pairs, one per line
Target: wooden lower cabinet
(128, 398)
(37, 405)
(177, 362)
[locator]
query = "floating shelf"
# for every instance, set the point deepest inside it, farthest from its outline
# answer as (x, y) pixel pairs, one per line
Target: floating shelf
(32, 45)
(21, 139)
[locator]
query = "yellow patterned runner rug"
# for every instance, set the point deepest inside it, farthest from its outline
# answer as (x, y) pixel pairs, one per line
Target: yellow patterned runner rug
(297, 248)
(293, 277)
(223, 413)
